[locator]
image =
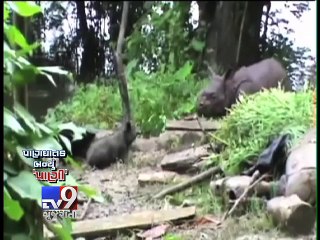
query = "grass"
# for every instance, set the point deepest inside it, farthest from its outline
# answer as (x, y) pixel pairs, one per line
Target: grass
(257, 120)
(154, 99)
(246, 131)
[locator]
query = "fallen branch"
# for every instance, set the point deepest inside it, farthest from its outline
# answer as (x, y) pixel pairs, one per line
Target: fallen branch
(205, 134)
(254, 181)
(85, 209)
(184, 185)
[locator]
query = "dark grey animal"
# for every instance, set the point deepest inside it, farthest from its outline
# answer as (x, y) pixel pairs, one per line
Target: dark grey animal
(109, 149)
(224, 91)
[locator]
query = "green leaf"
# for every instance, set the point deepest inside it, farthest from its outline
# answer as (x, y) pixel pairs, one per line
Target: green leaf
(69, 181)
(66, 142)
(28, 119)
(197, 45)
(77, 131)
(26, 185)
(91, 193)
(6, 12)
(12, 207)
(15, 36)
(44, 128)
(28, 161)
(20, 236)
(49, 77)
(28, 49)
(131, 65)
(8, 168)
(62, 232)
(66, 223)
(148, 5)
(54, 69)
(184, 71)
(48, 143)
(25, 8)
(10, 122)
(24, 76)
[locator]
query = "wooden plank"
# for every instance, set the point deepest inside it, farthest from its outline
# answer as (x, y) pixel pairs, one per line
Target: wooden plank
(181, 161)
(192, 125)
(101, 227)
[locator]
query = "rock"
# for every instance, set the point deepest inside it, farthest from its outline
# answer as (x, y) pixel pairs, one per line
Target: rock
(161, 177)
(184, 160)
(145, 145)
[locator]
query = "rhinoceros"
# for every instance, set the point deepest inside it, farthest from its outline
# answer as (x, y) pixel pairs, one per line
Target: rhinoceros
(223, 92)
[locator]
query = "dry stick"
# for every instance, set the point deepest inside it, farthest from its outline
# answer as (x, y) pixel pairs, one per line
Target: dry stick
(236, 203)
(183, 185)
(85, 209)
(241, 31)
(120, 68)
(205, 134)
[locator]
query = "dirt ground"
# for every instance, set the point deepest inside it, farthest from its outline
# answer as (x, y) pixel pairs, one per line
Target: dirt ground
(119, 185)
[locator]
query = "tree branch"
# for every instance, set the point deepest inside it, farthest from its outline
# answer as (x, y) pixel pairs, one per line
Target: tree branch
(119, 61)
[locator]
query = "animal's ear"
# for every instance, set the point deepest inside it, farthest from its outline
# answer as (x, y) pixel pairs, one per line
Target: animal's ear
(229, 74)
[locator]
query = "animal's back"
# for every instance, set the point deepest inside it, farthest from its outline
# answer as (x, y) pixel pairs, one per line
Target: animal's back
(265, 74)
(100, 153)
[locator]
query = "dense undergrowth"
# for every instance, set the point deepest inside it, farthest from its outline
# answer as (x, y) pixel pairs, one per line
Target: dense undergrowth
(258, 119)
(154, 98)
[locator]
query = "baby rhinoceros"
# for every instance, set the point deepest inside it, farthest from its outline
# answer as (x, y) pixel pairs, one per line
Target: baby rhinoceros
(109, 149)
(223, 92)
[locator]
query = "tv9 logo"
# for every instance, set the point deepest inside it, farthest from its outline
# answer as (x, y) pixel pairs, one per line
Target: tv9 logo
(59, 197)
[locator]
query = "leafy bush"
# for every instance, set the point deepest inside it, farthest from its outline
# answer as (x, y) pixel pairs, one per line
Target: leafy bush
(258, 119)
(155, 97)
(163, 37)
(91, 104)
(22, 192)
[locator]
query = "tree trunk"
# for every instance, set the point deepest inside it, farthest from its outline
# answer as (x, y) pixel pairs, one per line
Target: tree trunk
(223, 21)
(249, 51)
(90, 48)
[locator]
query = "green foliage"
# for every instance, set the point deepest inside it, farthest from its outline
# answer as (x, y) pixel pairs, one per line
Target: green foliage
(163, 37)
(22, 192)
(91, 104)
(155, 97)
(259, 119)
(171, 236)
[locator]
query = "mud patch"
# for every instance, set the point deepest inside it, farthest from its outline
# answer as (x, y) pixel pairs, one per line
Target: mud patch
(119, 186)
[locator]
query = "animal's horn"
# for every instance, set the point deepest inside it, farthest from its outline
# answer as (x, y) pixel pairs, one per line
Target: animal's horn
(210, 69)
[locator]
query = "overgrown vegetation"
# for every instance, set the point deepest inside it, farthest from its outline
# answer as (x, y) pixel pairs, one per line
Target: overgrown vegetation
(160, 43)
(155, 97)
(162, 40)
(22, 192)
(258, 119)
(170, 91)
(166, 25)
